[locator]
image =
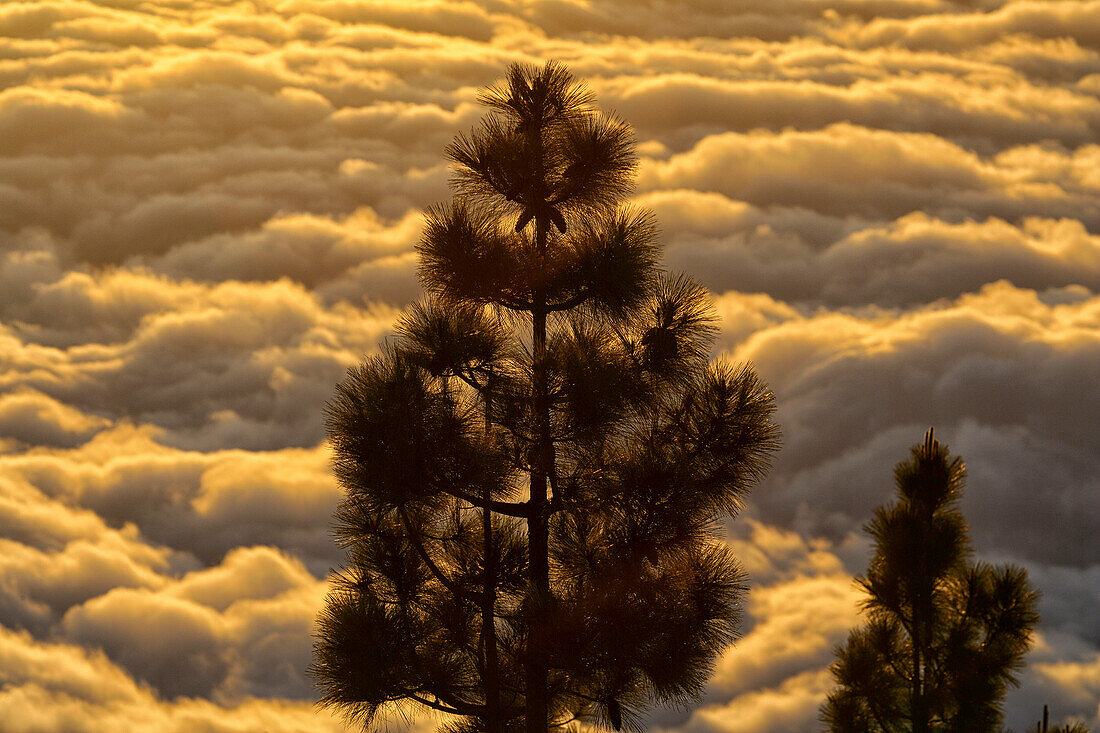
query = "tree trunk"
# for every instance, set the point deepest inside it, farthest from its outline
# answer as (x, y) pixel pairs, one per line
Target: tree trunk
(917, 714)
(493, 715)
(538, 520)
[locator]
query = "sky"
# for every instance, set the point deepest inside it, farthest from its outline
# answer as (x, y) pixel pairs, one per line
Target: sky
(208, 212)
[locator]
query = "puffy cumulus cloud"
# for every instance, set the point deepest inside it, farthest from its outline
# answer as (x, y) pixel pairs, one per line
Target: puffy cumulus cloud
(245, 573)
(147, 207)
(797, 624)
(706, 19)
(227, 138)
(81, 570)
(935, 259)
(937, 103)
(273, 640)
(263, 498)
(238, 628)
(461, 18)
(1058, 19)
(772, 555)
(228, 364)
(203, 504)
(307, 248)
(69, 689)
(34, 120)
(185, 147)
(810, 259)
(62, 669)
(1061, 672)
(241, 628)
(57, 554)
(688, 215)
(1057, 60)
(895, 174)
(740, 315)
(37, 419)
(789, 706)
(420, 126)
(1003, 373)
(803, 601)
(33, 518)
(77, 308)
(1073, 687)
(176, 646)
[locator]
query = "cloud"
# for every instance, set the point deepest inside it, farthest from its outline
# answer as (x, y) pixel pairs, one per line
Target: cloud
(254, 363)
(461, 18)
(992, 371)
(66, 688)
(175, 646)
(202, 504)
(36, 419)
(792, 705)
(1075, 685)
(811, 259)
(238, 629)
(244, 574)
(82, 570)
(923, 101)
(309, 249)
(34, 120)
(1059, 19)
(896, 174)
(650, 20)
(797, 626)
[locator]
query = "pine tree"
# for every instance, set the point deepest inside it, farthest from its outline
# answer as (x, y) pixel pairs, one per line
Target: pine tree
(1066, 728)
(536, 468)
(1075, 727)
(944, 634)
(1043, 725)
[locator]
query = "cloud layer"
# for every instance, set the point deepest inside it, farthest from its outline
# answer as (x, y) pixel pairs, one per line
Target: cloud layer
(208, 212)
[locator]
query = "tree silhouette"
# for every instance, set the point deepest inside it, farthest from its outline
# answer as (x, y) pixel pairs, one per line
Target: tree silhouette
(1043, 726)
(1074, 727)
(944, 635)
(536, 468)
(1066, 728)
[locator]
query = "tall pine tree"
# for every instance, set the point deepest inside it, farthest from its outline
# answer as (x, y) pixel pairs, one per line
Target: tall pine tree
(944, 634)
(536, 468)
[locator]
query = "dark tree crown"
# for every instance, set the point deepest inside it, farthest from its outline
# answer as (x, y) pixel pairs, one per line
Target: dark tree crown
(944, 635)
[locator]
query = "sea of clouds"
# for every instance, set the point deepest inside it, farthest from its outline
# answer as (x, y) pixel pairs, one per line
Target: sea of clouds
(208, 212)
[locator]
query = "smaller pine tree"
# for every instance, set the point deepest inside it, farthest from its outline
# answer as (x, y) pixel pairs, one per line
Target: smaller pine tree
(944, 634)
(1066, 728)
(1043, 726)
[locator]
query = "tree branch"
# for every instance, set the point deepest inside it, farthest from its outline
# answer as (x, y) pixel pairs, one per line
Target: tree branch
(878, 716)
(434, 704)
(473, 383)
(448, 583)
(570, 303)
(454, 707)
(508, 508)
(516, 304)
